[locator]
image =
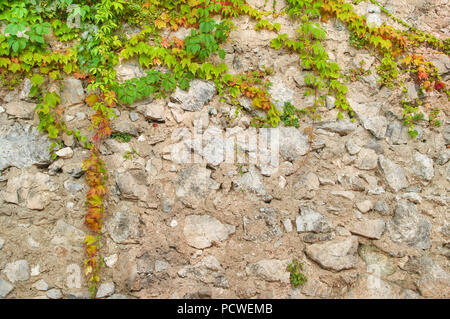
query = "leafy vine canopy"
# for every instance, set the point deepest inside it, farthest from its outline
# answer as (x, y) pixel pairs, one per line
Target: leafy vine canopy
(48, 41)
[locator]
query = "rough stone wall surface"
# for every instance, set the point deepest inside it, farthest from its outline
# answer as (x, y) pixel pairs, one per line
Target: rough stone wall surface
(366, 210)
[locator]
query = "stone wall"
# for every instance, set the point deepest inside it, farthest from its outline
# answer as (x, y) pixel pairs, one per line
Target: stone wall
(364, 206)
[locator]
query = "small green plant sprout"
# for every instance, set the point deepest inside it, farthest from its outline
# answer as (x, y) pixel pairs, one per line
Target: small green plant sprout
(121, 137)
(130, 154)
(297, 277)
(290, 116)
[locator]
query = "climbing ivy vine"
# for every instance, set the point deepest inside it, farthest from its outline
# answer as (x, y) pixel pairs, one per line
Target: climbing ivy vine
(48, 40)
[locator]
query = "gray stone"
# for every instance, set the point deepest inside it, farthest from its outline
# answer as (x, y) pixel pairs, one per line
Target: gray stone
(373, 144)
(65, 152)
(166, 205)
(339, 26)
(352, 147)
(69, 118)
(144, 264)
(221, 282)
(106, 289)
(67, 235)
(381, 207)
(54, 294)
(124, 126)
(311, 221)
(280, 93)
(21, 109)
(213, 150)
(442, 63)
(399, 133)
(409, 226)
(372, 286)
(69, 140)
(372, 228)
(434, 281)
(29, 189)
(412, 197)
(110, 261)
(200, 92)
(335, 255)
(81, 116)
(134, 116)
(377, 262)
(73, 92)
(124, 227)
(309, 182)
(153, 111)
(128, 70)
(444, 157)
(377, 125)
(36, 201)
(201, 231)
(367, 159)
(246, 103)
(394, 174)
(23, 146)
(330, 102)
(76, 172)
(178, 115)
(2, 242)
(17, 271)
(292, 143)
(423, 166)
(72, 187)
(5, 288)
(313, 237)
(378, 190)
(194, 184)
(132, 185)
(41, 285)
(352, 182)
(299, 80)
(374, 16)
(111, 146)
(161, 266)
(25, 91)
(287, 225)
(364, 206)
(269, 215)
(368, 114)
(345, 194)
(270, 270)
(326, 181)
(411, 94)
(250, 182)
(252, 225)
(342, 127)
(208, 271)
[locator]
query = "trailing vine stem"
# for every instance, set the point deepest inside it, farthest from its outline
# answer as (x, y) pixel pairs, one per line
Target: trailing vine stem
(91, 50)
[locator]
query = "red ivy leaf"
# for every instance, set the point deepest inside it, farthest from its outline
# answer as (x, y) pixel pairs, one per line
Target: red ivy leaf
(439, 85)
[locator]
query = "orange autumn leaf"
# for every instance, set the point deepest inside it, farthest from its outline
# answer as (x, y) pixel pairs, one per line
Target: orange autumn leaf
(91, 99)
(156, 61)
(178, 42)
(422, 75)
(80, 76)
(165, 43)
